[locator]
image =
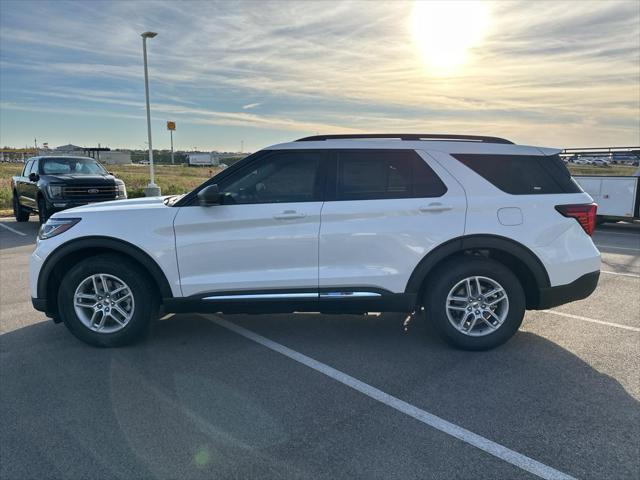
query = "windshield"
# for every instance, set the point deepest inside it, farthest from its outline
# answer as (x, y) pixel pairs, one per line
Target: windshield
(76, 166)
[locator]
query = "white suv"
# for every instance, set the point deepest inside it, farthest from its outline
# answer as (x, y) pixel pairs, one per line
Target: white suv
(472, 230)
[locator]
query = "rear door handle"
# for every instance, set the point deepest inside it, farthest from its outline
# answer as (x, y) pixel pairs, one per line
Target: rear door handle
(435, 207)
(289, 214)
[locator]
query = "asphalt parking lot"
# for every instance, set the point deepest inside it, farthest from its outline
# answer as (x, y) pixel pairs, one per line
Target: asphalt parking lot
(314, 396)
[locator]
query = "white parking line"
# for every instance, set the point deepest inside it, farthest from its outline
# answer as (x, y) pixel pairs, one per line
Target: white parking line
(510, 456)
(614, 247)
(633, 275)
(12, 229)
(592, 320)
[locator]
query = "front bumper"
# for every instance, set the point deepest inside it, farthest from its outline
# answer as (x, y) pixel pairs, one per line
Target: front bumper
(561, 294)
(62, 204)
(39, 304)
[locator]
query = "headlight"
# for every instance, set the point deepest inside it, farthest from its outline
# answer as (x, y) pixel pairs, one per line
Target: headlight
(122, 190)
(55, 191)
(55, 226)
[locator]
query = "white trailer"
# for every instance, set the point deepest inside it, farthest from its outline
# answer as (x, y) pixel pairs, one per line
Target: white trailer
(199, 158)
(617, 197)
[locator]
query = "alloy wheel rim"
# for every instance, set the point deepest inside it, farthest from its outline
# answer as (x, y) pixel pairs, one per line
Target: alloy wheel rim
(477, 306)
(104, 303)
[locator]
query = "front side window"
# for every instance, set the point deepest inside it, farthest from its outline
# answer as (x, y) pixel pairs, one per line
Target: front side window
(380, 174)
(27, 168)
(291, 176)
(76, 166)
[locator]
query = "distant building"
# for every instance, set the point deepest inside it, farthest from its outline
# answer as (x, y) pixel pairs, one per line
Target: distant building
(66, 150)
(105, 155)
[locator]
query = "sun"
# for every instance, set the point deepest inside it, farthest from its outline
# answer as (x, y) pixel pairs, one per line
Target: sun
(445, 31)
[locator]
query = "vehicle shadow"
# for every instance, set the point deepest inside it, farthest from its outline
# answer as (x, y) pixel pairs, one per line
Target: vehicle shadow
(198, 401)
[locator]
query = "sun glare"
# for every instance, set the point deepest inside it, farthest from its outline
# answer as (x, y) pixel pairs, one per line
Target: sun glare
(444, 31)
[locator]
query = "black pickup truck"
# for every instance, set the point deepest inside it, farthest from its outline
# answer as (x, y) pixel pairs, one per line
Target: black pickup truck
(53, 183)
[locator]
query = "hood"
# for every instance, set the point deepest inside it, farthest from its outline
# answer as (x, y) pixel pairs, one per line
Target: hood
(117, 205)
(75, 179)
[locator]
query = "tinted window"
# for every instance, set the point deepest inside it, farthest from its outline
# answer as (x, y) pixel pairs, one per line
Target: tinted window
(281, 177)
(76, 166)
(522, 174)
(379, 174)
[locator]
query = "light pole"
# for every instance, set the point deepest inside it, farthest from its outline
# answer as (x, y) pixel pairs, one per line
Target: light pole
(152, 189)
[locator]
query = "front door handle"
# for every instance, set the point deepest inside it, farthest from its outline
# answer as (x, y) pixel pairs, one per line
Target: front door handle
(288, 215)
(435, 207)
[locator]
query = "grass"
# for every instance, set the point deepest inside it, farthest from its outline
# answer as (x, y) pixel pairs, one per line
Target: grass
(180, 178)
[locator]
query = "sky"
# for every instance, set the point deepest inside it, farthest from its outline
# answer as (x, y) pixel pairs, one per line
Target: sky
(558, 74)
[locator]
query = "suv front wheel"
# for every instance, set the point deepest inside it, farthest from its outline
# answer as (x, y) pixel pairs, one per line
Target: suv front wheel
(474, 303)
(107, 301)
(20, 214)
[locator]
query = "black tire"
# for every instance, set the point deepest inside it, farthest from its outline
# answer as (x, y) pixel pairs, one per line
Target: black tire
(446, 277)
(19, 212)
(43, 211)
(144, 294)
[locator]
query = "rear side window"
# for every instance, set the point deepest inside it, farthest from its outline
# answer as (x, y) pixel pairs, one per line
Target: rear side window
(522, 174)
(380, 174)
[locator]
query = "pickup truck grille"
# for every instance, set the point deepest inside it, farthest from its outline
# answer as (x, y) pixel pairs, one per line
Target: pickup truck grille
(100, 192)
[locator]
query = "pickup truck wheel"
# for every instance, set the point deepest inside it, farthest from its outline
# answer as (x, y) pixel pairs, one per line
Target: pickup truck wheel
(107, 301)
(43, 211)
(19, 213)
(475, 303)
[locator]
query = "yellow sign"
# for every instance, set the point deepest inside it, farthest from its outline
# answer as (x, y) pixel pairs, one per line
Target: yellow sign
(171, 125)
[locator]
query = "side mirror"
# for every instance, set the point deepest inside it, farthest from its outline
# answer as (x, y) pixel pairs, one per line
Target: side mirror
(209, 196)
(33, 177)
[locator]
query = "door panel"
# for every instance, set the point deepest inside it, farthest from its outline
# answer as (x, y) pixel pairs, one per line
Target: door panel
(265, 234)
(25, 187)
(247, 247)
(379, 242)
(32, 187)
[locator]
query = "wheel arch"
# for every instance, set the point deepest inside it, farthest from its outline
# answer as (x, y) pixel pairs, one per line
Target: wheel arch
(60, 260)
(517, 257)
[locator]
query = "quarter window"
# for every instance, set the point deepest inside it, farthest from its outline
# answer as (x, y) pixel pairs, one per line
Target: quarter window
(292, 176)
(380, 174)
(522, 174)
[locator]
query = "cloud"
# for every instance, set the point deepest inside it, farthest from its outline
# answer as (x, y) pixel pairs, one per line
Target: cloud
(545, 69)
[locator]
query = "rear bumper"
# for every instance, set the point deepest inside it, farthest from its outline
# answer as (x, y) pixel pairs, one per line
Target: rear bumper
(576, 290)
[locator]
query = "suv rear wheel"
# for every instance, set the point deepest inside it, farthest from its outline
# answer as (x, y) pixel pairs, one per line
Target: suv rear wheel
(107, 301)
(475, 303)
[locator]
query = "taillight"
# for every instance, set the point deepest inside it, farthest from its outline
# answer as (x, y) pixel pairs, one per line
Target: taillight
(585, 214)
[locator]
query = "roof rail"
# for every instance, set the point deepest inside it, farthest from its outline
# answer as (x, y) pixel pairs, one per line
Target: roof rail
(408, 136)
